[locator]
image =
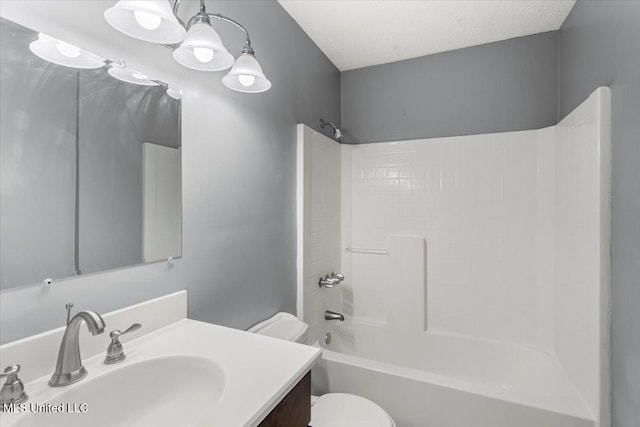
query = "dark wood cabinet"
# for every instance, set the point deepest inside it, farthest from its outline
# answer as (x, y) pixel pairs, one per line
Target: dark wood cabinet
(295, 409)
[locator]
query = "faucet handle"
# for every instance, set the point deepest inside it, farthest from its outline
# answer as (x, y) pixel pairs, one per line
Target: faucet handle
(115, 334)
(10, 371)
(328, 282)
(12, 391)
(115, 351)
(338, 276)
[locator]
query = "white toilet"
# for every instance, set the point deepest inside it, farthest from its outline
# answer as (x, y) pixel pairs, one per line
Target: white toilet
(332, 409)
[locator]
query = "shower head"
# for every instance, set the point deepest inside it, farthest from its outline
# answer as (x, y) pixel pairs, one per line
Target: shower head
(337, 133)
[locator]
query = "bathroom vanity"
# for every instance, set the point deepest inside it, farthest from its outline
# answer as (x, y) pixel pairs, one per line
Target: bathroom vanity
(177, 371)
(294, 410)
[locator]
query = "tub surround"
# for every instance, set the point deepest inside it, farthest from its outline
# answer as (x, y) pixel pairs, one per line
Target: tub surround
(256, 372)
(515, 270)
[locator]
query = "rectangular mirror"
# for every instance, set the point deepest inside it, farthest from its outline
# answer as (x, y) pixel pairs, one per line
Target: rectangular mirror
(90, 165)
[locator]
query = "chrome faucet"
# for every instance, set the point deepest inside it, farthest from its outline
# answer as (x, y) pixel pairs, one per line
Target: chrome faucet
(69, 367)
(338, 276)
(328, 282)
(331, 280)
(332, 315)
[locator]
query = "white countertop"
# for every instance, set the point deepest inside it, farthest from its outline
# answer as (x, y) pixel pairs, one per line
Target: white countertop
(258, 371)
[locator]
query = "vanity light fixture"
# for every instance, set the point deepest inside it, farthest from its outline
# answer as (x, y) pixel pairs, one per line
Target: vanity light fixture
(151, 21)
(196, 44)
(246, 74)
(202, 48)
(121, 72)
(63, 53)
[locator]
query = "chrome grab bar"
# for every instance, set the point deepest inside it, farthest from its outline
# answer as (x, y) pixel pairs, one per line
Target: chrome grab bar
(368, 251)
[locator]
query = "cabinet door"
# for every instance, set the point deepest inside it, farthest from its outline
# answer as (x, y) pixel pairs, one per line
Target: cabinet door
(295, 409)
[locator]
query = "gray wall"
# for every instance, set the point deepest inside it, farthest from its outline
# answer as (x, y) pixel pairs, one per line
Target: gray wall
(599, 45)
(239, 243)
(495, 87)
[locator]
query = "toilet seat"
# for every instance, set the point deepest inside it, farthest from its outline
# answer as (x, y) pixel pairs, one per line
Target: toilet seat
(348, 410)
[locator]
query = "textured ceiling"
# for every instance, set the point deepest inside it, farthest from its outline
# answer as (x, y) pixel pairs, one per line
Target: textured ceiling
(359, 33)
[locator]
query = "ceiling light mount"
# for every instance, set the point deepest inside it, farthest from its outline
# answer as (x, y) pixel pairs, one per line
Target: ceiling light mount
(198, 46)
(247, 48)
(201, 17)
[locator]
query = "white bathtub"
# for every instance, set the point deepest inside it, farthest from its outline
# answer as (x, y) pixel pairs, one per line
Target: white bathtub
(449, 381)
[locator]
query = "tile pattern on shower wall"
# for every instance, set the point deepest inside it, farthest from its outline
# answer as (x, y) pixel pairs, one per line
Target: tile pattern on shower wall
(479, 202)
(322, 167)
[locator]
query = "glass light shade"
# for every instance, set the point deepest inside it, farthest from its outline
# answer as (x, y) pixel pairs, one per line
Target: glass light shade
(65, 54)
(175, 93)
(247, 76)
(203, 50)
(149, 20)
(122, 73)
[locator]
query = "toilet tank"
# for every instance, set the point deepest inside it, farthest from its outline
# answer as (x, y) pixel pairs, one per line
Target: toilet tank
(282, 325)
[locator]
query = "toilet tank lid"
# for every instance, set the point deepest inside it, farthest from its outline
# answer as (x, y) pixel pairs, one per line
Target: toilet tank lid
(281, 325)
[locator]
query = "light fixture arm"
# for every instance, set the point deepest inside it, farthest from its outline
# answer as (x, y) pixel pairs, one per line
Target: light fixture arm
(203, 16)
(176, 5)
(247, 42)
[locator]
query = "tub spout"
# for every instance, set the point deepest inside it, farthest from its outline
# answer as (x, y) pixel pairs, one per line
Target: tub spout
(332, 315)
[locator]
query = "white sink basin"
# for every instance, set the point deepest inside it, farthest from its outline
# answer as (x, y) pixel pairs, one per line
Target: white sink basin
(187, 374)
(173, 390)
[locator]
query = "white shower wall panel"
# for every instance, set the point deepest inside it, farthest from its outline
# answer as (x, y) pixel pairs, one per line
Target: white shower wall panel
(484, 208)
(318, 181)
(583, 268)
(502, 241)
